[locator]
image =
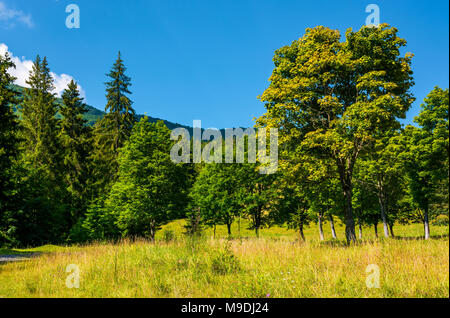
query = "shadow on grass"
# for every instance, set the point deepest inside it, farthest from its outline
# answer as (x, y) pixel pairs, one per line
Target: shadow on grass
(336, 243)
(343, 243)
(420, 238)
(10, 255)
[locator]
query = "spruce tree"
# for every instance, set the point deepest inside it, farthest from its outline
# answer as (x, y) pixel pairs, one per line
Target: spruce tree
(42, 217)
(74, 140)
(111, 132)
(120, 115)
(40, 125)
(8, 135)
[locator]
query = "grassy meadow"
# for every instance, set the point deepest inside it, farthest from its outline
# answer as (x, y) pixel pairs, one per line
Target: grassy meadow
(275, 265)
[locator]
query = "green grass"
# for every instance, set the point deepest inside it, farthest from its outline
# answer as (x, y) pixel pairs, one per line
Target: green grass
(276, 265)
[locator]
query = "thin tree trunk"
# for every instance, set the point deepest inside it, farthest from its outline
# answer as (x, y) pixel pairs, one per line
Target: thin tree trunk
(229, 229)
(300, 232)
(381, 200)
(152, 232)
(257, 221)
(375, 226)
(360, 229)
(322, 237)
(333, 231)
(239, 225)
(214, 231)
(391, 229)
(426, 224)
(349, 221)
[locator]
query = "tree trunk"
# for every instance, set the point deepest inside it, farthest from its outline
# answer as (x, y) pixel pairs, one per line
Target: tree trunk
(257, 221)
(349, 221)
(426, 224)
(345, 175)
(382, 201)
(152, 232)
(194, 222)
(333, 231)
(391, 229)
(229, 229)
(214, 231)
(300, 232)
(239, 225)
(375, 226)
(360, 229)
(322, 237)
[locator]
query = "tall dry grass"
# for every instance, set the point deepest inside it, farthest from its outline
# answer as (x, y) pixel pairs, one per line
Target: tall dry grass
(267, 267)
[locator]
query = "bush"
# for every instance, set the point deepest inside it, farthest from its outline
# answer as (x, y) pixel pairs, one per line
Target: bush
(5, 240)
(168, 235)
(225, 262)
(40, 221)
(99, 223)
(441, 220)
(78, 233)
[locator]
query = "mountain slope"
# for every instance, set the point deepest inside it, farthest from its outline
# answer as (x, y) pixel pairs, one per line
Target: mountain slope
(93, 114)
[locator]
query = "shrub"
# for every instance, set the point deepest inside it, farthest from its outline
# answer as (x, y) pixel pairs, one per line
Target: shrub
(441, 220)
(168, 235)
(99, 222)
(225, 262)
(78, 233)
(6, 241)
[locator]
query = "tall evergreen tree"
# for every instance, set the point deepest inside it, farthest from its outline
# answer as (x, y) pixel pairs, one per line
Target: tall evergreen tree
(41, 215)
(120, 115)
(8, 135)
(39, 120)
(74, 139)
(115, 127)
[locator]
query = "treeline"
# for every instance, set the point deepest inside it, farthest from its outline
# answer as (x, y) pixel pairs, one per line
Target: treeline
(343, 153)
(63, 181)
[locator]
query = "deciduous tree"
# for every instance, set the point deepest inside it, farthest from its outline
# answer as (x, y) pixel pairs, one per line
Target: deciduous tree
(151, 189)
(337, 96)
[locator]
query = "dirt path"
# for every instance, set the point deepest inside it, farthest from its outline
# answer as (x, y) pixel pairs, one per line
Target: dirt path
(14, 258)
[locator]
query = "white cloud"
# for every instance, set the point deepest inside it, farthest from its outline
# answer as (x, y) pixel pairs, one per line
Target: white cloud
(11, 16)
(24, 66)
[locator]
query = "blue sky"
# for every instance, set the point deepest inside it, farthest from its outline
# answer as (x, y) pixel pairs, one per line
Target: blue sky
(206, 60)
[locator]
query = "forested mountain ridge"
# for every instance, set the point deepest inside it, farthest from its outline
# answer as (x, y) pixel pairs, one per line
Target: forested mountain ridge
(93, 114)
